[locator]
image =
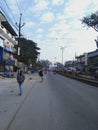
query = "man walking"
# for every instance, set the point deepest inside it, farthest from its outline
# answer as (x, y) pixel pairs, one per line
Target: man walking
(20, 80)
(41, 75)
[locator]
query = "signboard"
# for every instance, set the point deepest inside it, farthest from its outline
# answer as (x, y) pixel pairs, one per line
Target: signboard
(11, 62)
(1, 54)
(1, 42)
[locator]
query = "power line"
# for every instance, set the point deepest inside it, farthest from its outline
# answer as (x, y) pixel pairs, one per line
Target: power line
(9, 9)
(18, 7)
(11, 14)
(4, 11)
(8, 18)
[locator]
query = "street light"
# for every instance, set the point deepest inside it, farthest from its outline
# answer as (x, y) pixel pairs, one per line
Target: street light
(62, 49)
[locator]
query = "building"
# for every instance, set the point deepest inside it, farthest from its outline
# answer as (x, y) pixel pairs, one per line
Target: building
(89, 60)
(7, 42)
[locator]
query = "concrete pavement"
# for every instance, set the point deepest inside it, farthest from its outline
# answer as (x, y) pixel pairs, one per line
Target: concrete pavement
(10, 101)
(58, 103)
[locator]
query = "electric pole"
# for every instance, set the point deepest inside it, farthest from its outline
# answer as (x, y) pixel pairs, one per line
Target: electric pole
(19, 25)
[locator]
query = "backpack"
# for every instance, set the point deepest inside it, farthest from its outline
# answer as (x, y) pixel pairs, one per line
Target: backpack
(40, 73)
(20, 78)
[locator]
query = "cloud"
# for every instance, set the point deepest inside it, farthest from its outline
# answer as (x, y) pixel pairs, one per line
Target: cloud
(62, 20)
(13, 7)
(57, 2)
(40, 30)
(60, 16)
(47, 17)
(52, 34)
(75, 8)
(59, 30)
(41, 5)
(29, 24)
(83, 41)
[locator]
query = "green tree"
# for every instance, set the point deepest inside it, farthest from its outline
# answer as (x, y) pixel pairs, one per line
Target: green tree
(91, 20)
(44, 64)
(28, 51)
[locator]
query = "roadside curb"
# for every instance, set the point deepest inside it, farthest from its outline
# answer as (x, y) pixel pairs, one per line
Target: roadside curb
(85, 80)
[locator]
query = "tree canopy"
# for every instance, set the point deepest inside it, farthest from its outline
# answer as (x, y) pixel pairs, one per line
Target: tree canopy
(44, 64)
(28, 51)
(91, 20)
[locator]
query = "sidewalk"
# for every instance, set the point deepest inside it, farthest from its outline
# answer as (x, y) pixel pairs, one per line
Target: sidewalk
(10, 101)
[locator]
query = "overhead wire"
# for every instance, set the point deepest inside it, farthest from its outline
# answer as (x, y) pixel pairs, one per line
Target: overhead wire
(6, 14)
(18, 7)
(10, 11)
(4, 11)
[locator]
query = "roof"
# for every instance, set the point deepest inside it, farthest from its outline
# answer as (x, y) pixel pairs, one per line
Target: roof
(9, 27)
(90, 54)
(6, 24)
(93, 54)
(2, 17)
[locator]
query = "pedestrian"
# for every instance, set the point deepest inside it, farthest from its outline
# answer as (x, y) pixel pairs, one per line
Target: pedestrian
(20, 80)
(41, 75)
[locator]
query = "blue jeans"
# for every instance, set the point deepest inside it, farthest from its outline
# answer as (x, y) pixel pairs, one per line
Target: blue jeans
(41, 78)
(20, 88)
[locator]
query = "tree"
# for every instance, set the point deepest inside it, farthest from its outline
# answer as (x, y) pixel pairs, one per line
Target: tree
(91, 21)
(28, 51)
(44, 64)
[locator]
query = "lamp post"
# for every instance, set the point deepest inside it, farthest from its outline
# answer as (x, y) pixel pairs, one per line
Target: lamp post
(19, 25)
(62, 49)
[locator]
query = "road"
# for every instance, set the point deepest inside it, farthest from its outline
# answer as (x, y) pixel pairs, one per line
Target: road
(58, 103)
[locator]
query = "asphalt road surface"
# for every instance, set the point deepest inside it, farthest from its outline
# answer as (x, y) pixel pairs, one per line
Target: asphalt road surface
(58, 103)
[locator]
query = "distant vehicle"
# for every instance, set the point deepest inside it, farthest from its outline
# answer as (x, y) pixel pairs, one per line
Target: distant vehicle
(71, 69)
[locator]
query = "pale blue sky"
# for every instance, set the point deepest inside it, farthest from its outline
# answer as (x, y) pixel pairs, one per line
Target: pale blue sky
(55, 23)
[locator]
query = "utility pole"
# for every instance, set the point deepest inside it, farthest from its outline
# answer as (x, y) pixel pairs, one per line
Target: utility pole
(19, 35)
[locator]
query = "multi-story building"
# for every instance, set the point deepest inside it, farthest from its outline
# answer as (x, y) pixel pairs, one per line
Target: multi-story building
(7, 42)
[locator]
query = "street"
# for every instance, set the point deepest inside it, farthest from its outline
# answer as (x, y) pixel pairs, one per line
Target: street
(57, 103)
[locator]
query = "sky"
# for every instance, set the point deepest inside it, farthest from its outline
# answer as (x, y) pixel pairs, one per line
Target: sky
(54, 24)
